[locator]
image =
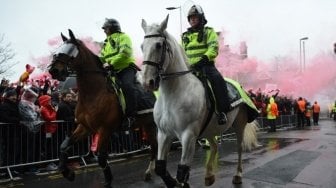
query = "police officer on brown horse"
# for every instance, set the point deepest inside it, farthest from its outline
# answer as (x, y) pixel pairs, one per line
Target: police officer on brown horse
(117, 56)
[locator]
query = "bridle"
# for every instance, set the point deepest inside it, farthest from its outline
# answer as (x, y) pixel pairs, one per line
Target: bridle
(70, 51)
(159, 65)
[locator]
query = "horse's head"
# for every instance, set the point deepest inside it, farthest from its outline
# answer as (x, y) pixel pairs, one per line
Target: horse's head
(154, 48)
(63, 58)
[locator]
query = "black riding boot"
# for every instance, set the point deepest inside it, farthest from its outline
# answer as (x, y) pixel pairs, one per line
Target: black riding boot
(131, 111)
(222, 119)
(127, 82)
(219, 88)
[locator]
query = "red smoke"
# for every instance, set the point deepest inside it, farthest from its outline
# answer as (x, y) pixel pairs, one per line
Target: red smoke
(316, 82)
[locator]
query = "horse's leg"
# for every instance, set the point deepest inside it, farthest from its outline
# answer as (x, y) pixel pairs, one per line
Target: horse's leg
(164, 144)
(66, 145)
(188, 142)
(150, 130)
(209, 175)
(239, 127)
(237, 178)
(103, 141)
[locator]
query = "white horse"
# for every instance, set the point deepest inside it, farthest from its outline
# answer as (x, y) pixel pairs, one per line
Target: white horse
(181, 111)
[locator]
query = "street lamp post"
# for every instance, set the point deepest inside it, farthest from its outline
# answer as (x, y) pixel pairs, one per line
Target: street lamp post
(179, 7)
(302, 53)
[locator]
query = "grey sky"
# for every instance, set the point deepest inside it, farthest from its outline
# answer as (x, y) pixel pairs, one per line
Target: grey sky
(270, 27)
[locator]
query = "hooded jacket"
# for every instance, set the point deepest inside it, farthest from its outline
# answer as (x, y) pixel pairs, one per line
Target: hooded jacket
(272, 109)
(48, 113)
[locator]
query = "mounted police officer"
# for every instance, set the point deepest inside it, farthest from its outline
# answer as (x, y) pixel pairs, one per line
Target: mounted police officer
(117, 56)
(201, 46)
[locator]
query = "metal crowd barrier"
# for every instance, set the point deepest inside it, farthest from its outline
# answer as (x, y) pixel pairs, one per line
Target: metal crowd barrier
(283, 121)
(20, 147)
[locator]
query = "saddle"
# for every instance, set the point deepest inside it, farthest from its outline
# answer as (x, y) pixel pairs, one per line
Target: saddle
(145, 100)
(236, 96)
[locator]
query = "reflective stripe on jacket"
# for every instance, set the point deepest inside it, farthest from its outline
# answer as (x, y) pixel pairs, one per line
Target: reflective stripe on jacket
(195, 50)
(308, 113)
(272, 109)
(117, 51)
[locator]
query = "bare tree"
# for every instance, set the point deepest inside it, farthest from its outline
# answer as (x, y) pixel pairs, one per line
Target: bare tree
(7, 55)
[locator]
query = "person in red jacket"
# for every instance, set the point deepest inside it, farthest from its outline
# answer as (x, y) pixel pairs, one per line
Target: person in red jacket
(48, 114)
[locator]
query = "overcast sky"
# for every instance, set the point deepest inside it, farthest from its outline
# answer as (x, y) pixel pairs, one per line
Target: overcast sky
(269, 27)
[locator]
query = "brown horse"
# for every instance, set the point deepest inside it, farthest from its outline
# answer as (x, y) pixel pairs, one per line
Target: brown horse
(98, 109)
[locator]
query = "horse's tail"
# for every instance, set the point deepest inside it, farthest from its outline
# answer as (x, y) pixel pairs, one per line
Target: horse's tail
(250, 139)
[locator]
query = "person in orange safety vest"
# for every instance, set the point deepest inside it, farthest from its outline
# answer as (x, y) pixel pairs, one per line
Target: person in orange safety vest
(300, 112)
(272, 114)
(316, 112)
(308, 113)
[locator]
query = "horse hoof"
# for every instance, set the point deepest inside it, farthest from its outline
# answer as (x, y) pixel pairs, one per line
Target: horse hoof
(237, 180)
(185, 185)
(69, 174)
(148, 177)
(107, 185)
(209, 180)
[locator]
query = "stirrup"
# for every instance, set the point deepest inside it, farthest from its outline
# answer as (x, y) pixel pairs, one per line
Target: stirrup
(222, 119)
(128, 123)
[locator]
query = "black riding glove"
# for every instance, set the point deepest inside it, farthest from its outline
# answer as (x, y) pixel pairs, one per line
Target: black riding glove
(109, 69)
(202, 62)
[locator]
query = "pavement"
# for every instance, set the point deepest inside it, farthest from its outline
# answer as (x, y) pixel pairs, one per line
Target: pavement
(288, 158)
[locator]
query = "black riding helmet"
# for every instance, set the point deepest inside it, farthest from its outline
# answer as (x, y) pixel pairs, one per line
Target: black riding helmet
(198, 11)
(111, 23)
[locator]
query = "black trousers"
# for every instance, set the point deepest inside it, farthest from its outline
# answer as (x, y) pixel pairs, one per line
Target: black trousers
(219, 87)
(300, 119)
(127, 83)
(316, 118)
(272, 124)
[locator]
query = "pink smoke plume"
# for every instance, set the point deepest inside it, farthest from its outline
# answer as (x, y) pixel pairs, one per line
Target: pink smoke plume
(43, 62)
(316, 81)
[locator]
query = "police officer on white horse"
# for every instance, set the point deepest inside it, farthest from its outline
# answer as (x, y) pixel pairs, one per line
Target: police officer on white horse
(201, 46)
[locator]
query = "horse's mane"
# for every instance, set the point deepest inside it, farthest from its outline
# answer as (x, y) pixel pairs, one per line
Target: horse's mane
(90, 53)
(173, 44)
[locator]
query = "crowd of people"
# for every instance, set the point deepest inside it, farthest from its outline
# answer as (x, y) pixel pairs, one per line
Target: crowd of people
(271, 105)
(38, 107)
(29, 113)
(40, 116)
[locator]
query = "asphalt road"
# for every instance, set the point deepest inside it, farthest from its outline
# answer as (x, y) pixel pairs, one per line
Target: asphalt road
(288, 158)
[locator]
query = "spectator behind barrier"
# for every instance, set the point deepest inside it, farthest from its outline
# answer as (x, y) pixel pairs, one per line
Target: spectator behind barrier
(66, 109)
(29, 112)
(9, 110)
